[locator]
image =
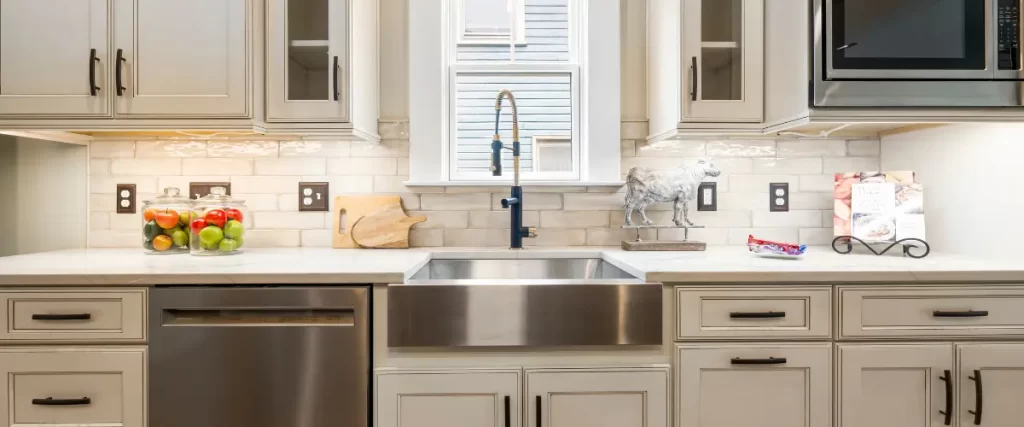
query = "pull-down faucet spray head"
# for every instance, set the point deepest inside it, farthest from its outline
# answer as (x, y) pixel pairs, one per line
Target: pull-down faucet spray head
(496, 144)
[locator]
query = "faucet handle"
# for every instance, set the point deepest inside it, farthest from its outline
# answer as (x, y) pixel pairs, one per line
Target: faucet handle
(530, 232)
(508, 202)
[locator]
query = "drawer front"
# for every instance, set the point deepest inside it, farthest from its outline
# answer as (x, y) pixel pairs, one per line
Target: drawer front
(955, 311)
(73, 386)
(73, 315)
(753, 313)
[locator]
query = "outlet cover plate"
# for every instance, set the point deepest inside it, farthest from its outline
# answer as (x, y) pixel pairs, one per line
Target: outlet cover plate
(707, 197)
(126, 198)
(200, 189)
(313, 196)
(778, 196)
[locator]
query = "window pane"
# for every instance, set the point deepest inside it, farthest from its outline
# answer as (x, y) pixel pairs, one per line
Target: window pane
(721, 74)
(552, 154)
(547, 37)
(488, 17)
(308, 42)
(545, 108)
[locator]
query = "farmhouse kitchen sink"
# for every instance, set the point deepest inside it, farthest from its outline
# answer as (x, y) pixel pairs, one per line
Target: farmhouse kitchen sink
(523, 302)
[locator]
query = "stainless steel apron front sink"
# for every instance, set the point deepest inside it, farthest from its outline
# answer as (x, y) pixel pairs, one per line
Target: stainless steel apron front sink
(524, 302)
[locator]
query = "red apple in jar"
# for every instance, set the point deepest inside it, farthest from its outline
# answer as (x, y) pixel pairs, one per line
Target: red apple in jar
(198, 225)
(216, 217)
(234, 214)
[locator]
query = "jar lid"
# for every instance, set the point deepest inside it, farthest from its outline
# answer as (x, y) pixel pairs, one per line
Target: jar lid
(219, 195)
(172, 195)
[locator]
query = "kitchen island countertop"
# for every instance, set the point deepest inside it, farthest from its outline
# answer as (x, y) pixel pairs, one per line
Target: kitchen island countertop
(721, 264)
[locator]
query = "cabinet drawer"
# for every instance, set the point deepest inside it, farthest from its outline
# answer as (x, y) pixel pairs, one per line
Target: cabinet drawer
(73, 315)
(753, 313)
(946, 311)
(101, 386)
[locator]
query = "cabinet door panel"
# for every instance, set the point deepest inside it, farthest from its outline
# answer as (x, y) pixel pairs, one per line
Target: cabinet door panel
(1001, 369)
(447, 398)
(598, 397)
(893, 385)
(45, 57)
(186, 58)
(717, 390)
(723, 60)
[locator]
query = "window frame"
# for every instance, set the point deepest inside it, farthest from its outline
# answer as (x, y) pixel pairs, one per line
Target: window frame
(466, 39)
(599, 76)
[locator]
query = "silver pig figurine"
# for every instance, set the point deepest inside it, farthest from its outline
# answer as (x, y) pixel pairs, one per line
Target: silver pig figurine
(645, 186)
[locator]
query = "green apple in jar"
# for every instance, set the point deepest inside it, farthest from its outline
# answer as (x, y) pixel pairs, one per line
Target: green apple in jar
(233, 229)
(228, 245)
(211, 236)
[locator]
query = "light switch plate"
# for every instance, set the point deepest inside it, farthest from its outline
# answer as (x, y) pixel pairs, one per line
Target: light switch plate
(201, 189)
(125, 198)
(313, 196)
(707, 197)
(778, 196)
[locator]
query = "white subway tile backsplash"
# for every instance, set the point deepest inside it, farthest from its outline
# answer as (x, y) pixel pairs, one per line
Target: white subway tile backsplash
(99, 221)
(794, 166)
(864, 148)
(362, 166)
(99, 167)
(851, 164)
(288, 202)
(574, 219)
(593, 201)
(393, 130)
(816, 236)
(115, 239)
(734, 166)
(386, 148)
(489, 237)
(457, 201)
(827, 218)
(557, 237)
(265, 184)
(108, 184)
(343, 185)
(633, 130)
(672, 148)
(738, 148)
(315, 149)
(291, 166)
(259, 202)
(112, 149)
(101, 203)
(272, 238)
(797, 219)
(289, 220)
(653, 162)
(181, 148)
(803, 201)
(499, 219)
(758, 183)
(126, 222)
(426, 238)
(711, 236)
(181, 182)
(615, 236)
(744, 201)
(812, 148)
(248, 149)
(531, 201)
(820, 183)
(628, 148)
(389, 184)
(217, 167)
(316, 238)
(403, 167)
(738, 236)
(441, 219)
(145, 167)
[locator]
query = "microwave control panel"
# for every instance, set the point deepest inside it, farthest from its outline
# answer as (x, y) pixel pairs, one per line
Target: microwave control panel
(1009, 34)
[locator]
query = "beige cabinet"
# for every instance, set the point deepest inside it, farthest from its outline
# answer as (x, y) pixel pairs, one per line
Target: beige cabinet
(73, 386)
(770, 385)
(597, 397)
(185, 58)
(991, 384)
(894, 385)
(725, 313)
(54, 58)
(465, 398)
(72, 315)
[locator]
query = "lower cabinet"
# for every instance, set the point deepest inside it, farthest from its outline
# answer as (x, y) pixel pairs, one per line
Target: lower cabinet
(584, 397)
(770, 385)
(73, 386)
(991, 384)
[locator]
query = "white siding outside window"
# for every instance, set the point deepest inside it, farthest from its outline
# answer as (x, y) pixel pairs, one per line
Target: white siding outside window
(552, 61)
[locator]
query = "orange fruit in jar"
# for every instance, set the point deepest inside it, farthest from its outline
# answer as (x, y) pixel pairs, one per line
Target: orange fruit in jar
(162, 243)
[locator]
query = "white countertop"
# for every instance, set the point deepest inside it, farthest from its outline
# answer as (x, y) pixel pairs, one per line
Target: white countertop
(330, 266)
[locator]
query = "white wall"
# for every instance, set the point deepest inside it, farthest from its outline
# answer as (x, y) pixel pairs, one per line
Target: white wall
(43, 195)
(972, 175)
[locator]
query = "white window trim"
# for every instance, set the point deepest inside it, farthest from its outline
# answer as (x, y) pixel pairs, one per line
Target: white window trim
(539, 140)
(491, 39)
(430, 96)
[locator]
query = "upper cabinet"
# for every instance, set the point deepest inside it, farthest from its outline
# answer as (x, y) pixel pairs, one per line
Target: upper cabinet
(322, 63)
(54, 58)
(185, 58)
(705, 64)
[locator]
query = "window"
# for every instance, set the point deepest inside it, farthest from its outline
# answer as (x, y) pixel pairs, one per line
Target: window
(564, 77)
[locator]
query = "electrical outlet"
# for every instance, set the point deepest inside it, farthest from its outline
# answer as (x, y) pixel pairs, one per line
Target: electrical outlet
(707, 196)
(125, 198)
(313, 196)
(201, 189)
(778, 194)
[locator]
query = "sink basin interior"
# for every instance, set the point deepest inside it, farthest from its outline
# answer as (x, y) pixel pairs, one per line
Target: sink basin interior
(520, 269)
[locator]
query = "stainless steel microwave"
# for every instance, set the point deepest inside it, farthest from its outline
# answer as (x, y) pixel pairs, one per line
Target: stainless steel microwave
(917, 53)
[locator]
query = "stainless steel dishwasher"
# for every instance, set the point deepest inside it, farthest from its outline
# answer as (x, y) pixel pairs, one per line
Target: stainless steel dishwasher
(259, 357)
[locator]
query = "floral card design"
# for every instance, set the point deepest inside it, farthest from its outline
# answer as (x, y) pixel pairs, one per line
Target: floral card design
(878, 206)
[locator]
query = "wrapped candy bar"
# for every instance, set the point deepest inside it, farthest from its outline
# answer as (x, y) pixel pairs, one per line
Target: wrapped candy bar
(776, 249)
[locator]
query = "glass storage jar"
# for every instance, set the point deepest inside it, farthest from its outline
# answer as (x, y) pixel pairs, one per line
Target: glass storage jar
(218, 227)
(165, 223)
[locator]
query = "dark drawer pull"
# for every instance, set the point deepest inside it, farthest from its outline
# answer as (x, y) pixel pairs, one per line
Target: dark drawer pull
(768, 361)
(948, 412)
(49, 401)
(968, 313)
(76, 316)
(978, 398)
(757, 315)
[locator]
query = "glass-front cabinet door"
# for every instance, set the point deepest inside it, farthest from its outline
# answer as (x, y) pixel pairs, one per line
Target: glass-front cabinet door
(723, 60)
(307, 61)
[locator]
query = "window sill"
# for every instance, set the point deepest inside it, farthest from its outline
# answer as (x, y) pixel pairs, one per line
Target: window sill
(503, 183)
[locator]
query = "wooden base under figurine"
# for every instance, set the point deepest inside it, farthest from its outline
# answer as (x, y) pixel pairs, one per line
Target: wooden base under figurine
(664, 245)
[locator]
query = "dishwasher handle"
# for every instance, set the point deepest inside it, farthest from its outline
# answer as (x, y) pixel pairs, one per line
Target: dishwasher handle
(261, 317)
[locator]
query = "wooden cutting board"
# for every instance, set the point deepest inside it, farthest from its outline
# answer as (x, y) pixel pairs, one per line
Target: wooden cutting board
(386, 228)
(355, 208)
